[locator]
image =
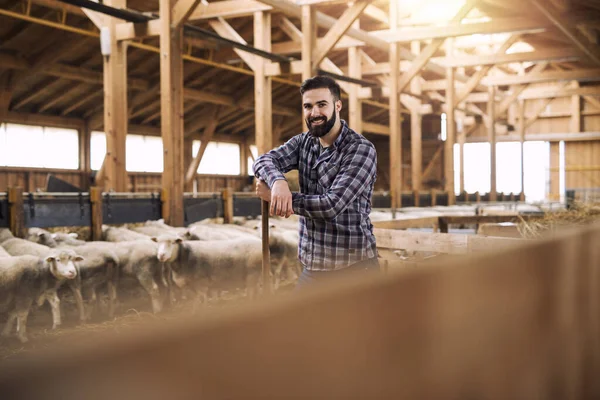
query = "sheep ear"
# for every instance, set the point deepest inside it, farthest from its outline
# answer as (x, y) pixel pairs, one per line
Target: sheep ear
(41, 234)
(50, 259)
(178, 240)
(78, 258)
(154, 239)
(74, 235)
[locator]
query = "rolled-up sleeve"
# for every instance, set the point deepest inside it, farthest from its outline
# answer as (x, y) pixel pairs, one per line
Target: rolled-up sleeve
(271, 166)
(357, 172)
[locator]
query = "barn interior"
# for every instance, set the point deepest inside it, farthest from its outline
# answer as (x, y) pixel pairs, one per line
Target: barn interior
(485, 115)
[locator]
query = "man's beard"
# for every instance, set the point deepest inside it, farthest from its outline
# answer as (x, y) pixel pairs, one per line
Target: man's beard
(320, 130)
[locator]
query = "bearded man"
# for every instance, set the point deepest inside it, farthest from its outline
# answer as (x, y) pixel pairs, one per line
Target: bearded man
(337, 171)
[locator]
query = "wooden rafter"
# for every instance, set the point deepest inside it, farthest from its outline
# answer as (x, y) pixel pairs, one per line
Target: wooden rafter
(578, 75)
(182, 11)
(570, 31)
(224, 29)
(338, 30)
(422, 59)
(207, 136)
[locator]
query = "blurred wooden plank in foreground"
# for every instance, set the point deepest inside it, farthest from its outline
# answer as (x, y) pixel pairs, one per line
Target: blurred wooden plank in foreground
(518, 324)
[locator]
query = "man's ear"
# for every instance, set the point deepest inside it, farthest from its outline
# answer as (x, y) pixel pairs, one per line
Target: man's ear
(338, 105)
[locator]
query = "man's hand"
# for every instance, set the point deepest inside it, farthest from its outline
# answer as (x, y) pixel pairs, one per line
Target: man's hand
(281, 199)
(262, 190)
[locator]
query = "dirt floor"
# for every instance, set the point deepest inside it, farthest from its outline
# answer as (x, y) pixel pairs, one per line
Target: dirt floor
(134, 308)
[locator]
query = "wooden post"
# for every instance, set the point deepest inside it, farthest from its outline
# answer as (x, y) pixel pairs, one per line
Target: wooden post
(477, 197)
(575, 110)
(395, 115)
(115, 108)
(244, 158)
(521, 109)
(554, 171)
(227, 196)
(416, 128)
(492, 140)
(16, 217)
(188, 157)
(461, 145)
(96, 212)
(263, 117)
(171, 97)
(84, 155)
(450, 129)
(354, 103)
(433, 197)
(309, 40)
(416, 197)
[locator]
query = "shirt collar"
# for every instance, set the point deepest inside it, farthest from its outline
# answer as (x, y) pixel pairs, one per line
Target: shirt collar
(338, 141)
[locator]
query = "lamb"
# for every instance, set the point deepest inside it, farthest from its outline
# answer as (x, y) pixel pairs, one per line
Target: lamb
(99, 268)
(218, 264)
(24, 279)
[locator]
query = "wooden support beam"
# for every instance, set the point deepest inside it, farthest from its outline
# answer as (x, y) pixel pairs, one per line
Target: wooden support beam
(395, 116)
(541, 108)
(492, 139)
(575, 110)
(354, 103)
(171, 96)
(422, 59)
(554, 171)
(115, 109)
(416, 130)
(586, 74)
(16, 217)
(96, 212)
(207, 136)
(516, 90)
(555, 55)
(542, 137)
(182, 11)
(263, 85)
(450, 130)
(228, 9)
(461, 145)
(455, 29)
(309, 32)
(227, 196)
(569, 30)
(478, 76)
(521, 111)
(224, 29)
(338, 30)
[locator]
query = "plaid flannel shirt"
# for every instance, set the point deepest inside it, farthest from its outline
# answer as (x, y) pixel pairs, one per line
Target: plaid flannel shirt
(335, 196)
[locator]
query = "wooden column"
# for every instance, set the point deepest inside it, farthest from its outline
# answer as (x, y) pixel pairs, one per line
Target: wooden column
(262, 85)
(450, 129)
(263, 126)
(309, 40)
(416, 131)
(521, 111)
(354, 103)
(96, 212)
(395, 116)
(554, 171)
(492, 139)
(227, 195)
(16, 218)
(115, 108)
(461, 144)
(171, 99)
(575, 110)
(244, 158)
(188, 157)
(85, 134)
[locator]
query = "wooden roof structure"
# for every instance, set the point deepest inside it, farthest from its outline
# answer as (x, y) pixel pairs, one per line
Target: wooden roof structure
(451, 55)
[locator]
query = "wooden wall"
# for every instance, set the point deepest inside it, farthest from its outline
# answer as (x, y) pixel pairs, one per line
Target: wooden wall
(582, 164)
(32, 179)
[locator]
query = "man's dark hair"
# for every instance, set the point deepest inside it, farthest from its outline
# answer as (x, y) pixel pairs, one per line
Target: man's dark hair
(320, 82)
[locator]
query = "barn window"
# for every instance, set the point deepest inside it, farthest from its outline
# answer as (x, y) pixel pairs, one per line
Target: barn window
(142, 153)
(508, 167)
(219, 158)
(39, 147)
